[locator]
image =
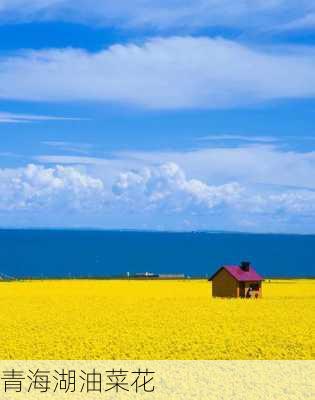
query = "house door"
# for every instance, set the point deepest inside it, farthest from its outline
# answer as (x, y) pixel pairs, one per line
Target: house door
(242, 289)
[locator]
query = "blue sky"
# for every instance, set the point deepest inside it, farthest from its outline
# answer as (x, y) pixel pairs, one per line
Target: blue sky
(194, 115)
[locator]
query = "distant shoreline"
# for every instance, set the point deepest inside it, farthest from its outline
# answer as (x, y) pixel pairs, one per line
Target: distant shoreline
(153, 231)
(125, 278)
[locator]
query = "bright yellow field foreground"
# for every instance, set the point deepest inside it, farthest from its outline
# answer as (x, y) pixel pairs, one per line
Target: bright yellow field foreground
(154, 320)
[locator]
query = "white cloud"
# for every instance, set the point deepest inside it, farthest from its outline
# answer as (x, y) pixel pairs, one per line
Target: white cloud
(157, 195)
(35, 187)
(6, 117)
(257, 164)
(289, 203)
(177, 72)
(73, 147)
(303, 23)
(250, 165)
(159, 13)
(240, 138)
(167, 187)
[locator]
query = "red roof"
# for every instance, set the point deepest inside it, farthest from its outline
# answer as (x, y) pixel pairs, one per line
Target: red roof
(239, 274)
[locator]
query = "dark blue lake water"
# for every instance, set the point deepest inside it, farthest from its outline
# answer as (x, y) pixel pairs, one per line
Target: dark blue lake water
(94, 253)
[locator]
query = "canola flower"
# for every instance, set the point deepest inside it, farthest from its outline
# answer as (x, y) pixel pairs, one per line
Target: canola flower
(155, 320)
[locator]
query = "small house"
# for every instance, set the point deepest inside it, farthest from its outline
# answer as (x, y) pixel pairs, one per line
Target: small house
(237, 281)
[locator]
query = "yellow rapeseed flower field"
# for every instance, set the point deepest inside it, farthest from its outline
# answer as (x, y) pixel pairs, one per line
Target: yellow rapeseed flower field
(112, 319)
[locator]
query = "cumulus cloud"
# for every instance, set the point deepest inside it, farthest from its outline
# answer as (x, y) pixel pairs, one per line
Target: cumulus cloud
(167, 187)
(177, 72)
(153, 194)
(159, 13)
(289, 203)
(35, 187)
(250, 165)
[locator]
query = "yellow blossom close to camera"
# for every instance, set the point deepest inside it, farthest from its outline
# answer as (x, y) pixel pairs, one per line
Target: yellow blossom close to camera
(154, 320)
